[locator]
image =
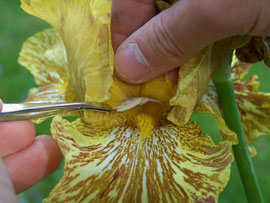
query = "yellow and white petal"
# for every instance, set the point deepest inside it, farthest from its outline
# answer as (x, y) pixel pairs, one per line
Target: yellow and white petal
(118, 165)
(254, 106)
(44, 56)
(50, 93)
(84, 27)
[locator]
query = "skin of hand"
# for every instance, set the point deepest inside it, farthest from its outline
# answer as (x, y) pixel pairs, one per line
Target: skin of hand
(28, 159)
(155, 44)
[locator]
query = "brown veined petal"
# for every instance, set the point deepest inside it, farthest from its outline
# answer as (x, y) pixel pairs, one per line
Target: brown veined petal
(173, 165)
(44, 56)
(209, 104)
(253, 106)
(84, 27)
(50, 93)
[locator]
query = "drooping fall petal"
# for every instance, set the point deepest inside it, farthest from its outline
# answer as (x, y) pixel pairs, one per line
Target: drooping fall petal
(175, 164)
(84, 27)
(253, 106)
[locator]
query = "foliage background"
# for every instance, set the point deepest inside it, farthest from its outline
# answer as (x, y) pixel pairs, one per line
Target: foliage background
(16, 26)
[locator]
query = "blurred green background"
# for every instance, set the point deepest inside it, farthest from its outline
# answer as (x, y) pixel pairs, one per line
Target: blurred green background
(16, 26)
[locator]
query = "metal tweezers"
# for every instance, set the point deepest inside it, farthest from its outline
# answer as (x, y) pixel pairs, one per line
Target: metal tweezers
(26, 111)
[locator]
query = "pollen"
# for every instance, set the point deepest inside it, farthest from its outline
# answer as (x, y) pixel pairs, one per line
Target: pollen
(145, 125)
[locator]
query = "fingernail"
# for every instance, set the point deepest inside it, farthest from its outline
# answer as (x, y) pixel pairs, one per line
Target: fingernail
(131, 64)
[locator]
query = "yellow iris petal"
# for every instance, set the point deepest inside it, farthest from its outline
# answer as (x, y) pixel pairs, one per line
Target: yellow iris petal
(194, 77)
(44, 55)
(209, 104)
(83, 26)
(49, 69)
(175, 164)
(253, 106)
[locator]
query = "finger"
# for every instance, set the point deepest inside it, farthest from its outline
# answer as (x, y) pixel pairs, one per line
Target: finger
(34, 163)
(126, 18)
(176, 34)
(15, 136)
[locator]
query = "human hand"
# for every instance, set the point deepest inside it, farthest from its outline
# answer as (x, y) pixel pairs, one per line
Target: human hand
(169, 39)
(28, 159)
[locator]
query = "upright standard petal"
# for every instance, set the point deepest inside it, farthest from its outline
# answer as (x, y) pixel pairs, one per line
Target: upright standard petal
(194, 77)
(84, 26)
(44, 56)
(173, 165)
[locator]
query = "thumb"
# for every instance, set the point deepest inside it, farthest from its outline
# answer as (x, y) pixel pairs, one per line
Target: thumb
(175, 35)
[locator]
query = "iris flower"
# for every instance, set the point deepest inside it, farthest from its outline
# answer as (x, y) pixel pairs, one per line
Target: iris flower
(147, 149)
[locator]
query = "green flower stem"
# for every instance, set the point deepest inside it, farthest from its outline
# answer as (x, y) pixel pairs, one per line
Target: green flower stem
(223, 82)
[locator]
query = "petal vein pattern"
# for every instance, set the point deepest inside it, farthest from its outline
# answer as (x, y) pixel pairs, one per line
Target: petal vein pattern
(44, 56)
(117, 165)
(254, 106)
